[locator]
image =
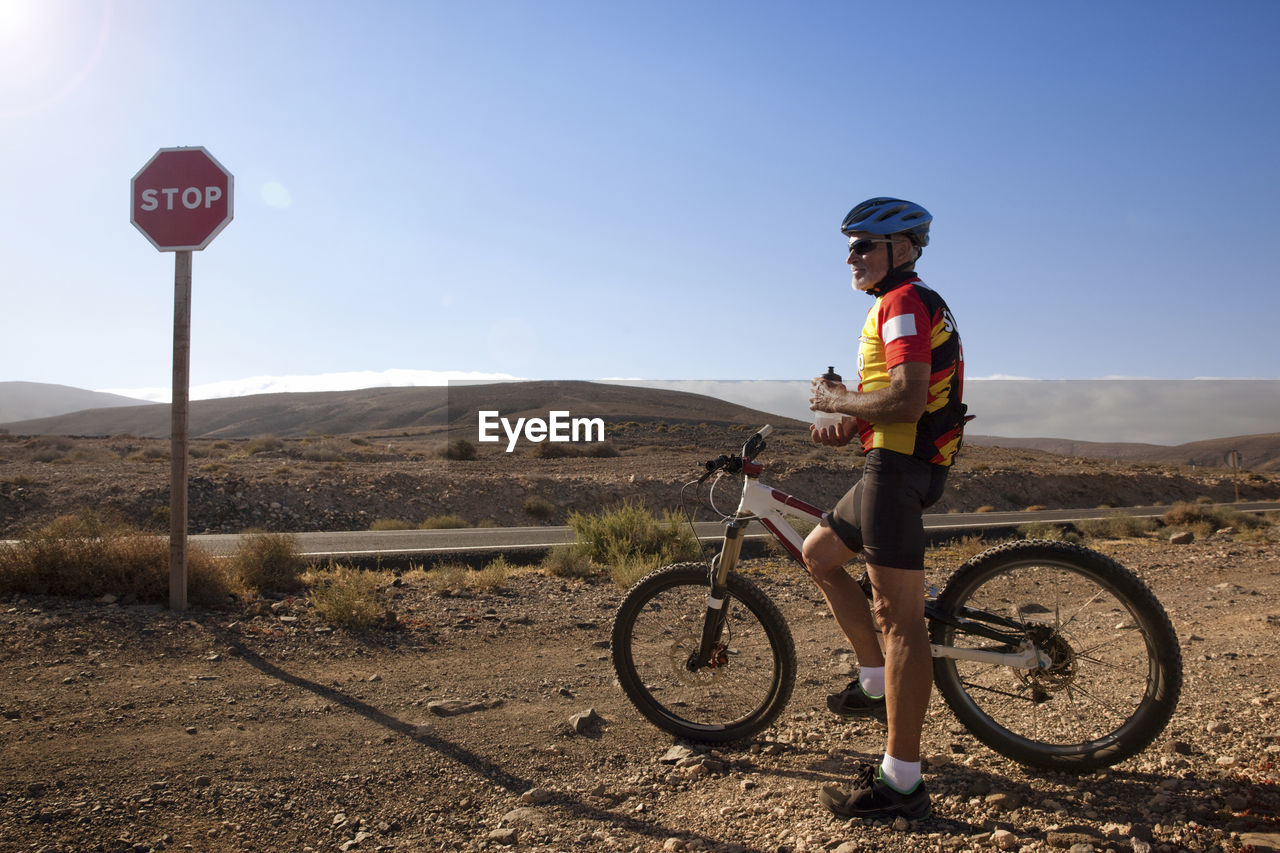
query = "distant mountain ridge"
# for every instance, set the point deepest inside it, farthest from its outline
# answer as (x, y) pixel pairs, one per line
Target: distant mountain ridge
(1257, 452)
(289, 415)
(376, 409)
(20, 401)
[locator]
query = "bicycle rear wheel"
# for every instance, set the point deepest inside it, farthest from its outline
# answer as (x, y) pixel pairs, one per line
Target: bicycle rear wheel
(1115, 669)
(657, 631)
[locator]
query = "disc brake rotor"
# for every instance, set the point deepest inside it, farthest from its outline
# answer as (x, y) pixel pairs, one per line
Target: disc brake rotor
(679, 654)
(1060, 674)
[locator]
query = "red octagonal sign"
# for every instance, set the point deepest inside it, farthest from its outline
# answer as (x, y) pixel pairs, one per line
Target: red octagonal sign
(181, 199)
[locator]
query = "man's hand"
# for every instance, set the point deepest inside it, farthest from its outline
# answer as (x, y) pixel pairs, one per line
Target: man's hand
(825, 396)
(836, 435)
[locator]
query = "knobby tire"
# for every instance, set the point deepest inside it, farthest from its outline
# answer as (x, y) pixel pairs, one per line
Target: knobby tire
(1116, 673)
(658, 627)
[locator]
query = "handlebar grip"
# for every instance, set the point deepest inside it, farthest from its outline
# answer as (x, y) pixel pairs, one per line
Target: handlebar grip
(764, 431)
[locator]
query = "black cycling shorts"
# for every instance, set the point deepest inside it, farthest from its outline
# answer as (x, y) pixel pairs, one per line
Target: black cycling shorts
(882, 515)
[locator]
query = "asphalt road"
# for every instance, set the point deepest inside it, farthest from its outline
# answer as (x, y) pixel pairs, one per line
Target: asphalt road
(367, 544)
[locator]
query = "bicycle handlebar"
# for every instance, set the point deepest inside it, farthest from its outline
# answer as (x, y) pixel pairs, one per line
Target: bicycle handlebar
(733, 464)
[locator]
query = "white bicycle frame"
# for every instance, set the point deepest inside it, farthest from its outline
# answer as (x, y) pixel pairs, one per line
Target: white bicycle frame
(770, 506)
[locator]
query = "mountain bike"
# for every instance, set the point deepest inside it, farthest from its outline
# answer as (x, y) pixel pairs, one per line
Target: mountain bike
(1050, 653)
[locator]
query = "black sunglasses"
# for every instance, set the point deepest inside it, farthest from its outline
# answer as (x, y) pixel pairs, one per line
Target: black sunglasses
(864, 245)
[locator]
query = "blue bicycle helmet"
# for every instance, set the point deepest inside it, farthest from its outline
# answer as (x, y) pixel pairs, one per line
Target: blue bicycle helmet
(885, 216)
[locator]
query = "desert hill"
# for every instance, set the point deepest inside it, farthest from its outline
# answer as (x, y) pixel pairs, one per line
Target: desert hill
(1257, 452)
(455, 407)
(381, 409)
(20, 401)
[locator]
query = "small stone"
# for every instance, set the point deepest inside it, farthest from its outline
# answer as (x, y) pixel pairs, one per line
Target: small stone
(588, 722)
(523, 814)
(674, 844)
(1004, 839)
(901, 824)
(676, 754)
(204, 781)
(1068, 837)
(190, 730)
(536, 796)
(1218, 727)
(453, 707)
(1184, 537)
(1004, 801)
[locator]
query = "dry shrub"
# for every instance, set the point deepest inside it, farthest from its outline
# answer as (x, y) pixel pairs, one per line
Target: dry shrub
(958, 550)
(492, 576)
(539, 508)
(444, 522)
(349, 597)
(459, 449)
(268, 562)
(263, 444)
(1185, 514)
(323, 454)
(628, 538)
(567, 561)
(89, 556)
(1045, 530)
(447, 577)
(1116, 526)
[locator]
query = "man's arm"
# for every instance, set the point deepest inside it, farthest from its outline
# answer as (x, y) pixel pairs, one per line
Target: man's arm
(903, 401)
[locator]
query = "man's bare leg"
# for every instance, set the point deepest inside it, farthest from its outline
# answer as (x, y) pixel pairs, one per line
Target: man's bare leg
(899, 609)
(825, 557)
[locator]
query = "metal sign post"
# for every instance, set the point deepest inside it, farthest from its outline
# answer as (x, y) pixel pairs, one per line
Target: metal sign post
(180, 408)
(180, 200)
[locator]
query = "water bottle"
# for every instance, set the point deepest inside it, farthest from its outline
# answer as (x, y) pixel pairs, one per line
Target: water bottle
(826, 419)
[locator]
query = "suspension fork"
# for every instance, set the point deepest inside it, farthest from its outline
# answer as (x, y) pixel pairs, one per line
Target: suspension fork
(717, 611)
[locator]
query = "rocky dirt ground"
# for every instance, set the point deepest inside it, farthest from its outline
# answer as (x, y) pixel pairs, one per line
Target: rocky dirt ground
(491, 721)
(350, 482)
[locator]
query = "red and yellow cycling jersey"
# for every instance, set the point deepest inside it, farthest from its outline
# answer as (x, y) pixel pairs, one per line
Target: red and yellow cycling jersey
(912, 323)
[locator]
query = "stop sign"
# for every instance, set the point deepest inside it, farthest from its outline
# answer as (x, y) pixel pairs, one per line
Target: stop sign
(181, 199)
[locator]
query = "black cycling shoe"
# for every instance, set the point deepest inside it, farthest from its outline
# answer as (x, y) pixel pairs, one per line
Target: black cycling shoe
(853, 701)
(873, 798)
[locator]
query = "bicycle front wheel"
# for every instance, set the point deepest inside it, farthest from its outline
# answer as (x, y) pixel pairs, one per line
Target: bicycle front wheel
(657, 632)
(1113, 673)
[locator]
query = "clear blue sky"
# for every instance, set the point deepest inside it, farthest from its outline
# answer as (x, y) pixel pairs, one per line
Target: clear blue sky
(597, 189)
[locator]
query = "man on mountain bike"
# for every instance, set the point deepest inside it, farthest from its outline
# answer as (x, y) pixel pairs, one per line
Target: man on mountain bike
(907, 413)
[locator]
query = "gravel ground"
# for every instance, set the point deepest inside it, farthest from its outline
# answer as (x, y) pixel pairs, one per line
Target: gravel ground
(491, 721)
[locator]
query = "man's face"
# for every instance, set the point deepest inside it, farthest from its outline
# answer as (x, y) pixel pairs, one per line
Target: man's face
(871, 267)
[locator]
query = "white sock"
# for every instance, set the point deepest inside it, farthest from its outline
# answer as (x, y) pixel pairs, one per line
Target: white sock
(872, 680)
(901, 775)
